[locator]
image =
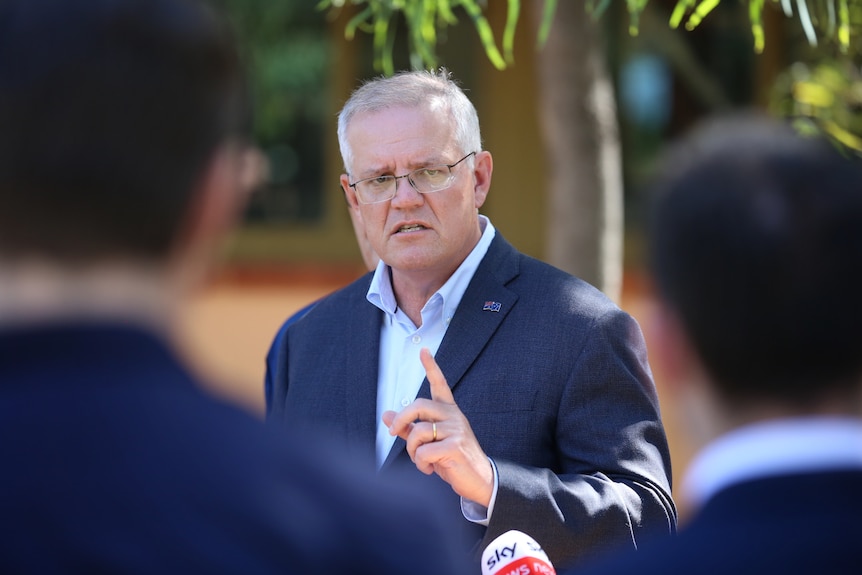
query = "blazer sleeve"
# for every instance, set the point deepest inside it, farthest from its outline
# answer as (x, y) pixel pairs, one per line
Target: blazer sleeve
(612, 484)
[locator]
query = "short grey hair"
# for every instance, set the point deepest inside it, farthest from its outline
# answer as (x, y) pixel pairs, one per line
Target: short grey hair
(413, 89)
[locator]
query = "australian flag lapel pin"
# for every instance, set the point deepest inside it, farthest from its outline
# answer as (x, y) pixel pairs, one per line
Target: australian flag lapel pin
(492, 306)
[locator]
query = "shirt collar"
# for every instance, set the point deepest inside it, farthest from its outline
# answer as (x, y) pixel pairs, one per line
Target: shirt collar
(381, 294)
(781, 447)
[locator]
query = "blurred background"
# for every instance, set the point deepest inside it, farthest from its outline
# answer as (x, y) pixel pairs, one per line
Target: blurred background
(574, 125)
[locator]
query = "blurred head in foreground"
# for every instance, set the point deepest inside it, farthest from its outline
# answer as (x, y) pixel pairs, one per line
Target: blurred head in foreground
(756, 252)
(121, 146)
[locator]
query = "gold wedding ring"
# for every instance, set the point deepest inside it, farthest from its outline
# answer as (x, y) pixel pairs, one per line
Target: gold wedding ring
(433, 431)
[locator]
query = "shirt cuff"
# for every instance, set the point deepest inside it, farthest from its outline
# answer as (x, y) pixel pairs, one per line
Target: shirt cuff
(477, 513)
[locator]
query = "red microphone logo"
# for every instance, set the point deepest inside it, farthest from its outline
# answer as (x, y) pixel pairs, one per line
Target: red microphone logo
(515, 553)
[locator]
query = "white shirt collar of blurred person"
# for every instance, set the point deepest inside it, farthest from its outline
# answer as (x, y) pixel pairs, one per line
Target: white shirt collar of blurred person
(400, 372)
(779, 447)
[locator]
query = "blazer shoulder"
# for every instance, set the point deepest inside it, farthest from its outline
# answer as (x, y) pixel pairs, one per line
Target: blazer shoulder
(356, 290)
(346, 306)
(339, 300)
(543, 284)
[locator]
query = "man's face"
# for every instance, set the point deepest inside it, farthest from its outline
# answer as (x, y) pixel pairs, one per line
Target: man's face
(428, 234)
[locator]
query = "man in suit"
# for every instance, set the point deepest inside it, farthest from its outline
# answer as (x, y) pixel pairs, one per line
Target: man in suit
(122, 163)
(552, 426)
(756, 252)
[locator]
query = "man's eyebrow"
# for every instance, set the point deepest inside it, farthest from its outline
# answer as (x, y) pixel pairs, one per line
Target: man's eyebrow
(387, 170)
(376, 171)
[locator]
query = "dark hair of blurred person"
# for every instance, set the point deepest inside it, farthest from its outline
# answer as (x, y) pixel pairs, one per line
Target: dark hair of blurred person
(110, 114)
(756, 247)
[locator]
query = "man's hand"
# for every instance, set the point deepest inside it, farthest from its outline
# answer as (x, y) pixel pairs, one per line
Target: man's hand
(455, 454)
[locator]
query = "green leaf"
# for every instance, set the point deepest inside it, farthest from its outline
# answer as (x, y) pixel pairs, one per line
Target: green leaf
(755, 14)
(445, 12)
(509, 31)
(356, 22)
(597, 11)
(423, 35)
(843, 25)
(635, 8)
(704, 8)
(486, 35)
(682, 6)
(547, 19)
(382, 55)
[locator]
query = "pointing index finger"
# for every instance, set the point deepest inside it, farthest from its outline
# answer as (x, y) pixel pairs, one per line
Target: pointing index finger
(439, 387)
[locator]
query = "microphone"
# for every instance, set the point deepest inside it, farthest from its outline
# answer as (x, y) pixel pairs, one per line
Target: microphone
(515, 553)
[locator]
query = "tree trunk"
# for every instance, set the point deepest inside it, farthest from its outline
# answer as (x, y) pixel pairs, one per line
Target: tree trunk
(578, 120)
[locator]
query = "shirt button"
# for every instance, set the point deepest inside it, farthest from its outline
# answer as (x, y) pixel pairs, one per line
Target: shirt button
(405, 402)
(416, 339)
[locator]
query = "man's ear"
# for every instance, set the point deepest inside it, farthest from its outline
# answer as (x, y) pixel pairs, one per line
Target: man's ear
(483, 167)
(671, 350)
(689, 402)
(349, 192)
(352, 201)
(369, 256)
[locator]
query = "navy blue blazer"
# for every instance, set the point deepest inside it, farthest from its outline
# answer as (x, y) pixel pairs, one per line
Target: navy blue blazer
(800, 524)
(114, 461)
(272, 354)
(553, 378)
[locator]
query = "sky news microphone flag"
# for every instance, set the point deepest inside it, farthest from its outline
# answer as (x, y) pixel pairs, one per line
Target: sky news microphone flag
(515, 553)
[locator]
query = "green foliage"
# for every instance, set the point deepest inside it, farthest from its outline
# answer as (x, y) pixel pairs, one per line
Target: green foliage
(839, 21)
(287, 52)
(835, 20)
(823, 97)
(830, 23)
(425, 21)
(288, 59)
(635, 7)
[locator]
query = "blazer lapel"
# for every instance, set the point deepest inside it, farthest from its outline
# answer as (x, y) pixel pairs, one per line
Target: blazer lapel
(485, 304)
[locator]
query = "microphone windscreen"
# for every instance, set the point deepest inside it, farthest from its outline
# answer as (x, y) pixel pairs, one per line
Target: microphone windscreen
(515, 553)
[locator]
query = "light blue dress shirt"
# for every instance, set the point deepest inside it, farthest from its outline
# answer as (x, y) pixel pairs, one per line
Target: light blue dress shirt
(400, 370)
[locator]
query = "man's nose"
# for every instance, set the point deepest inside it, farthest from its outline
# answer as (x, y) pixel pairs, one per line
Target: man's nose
(405, 193)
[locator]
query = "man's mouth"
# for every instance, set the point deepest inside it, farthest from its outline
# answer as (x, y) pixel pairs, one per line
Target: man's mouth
(411, 228)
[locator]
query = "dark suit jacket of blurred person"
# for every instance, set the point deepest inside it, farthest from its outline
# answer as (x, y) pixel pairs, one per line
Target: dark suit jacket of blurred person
(115, 460)
(798, 523)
